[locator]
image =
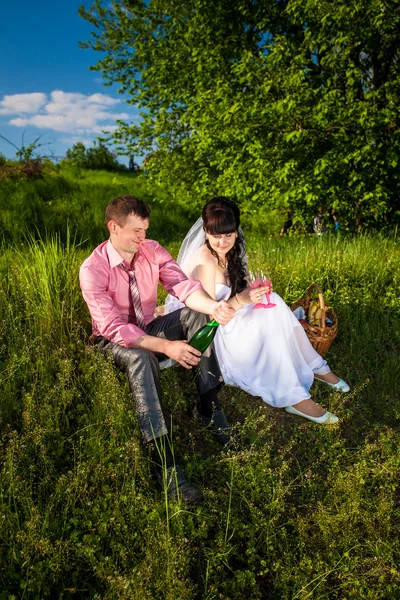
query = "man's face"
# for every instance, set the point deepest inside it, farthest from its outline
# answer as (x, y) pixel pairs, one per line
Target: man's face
(127, 238)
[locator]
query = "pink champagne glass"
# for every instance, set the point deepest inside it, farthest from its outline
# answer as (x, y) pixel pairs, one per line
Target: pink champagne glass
(259, 279)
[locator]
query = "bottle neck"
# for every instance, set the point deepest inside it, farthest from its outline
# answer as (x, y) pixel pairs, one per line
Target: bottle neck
(213, 323)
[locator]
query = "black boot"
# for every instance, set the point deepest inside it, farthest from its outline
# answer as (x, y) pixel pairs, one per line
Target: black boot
(177, 485)
(219, 427)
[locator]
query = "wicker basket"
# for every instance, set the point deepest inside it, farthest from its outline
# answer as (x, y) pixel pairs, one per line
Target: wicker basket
(320, 338)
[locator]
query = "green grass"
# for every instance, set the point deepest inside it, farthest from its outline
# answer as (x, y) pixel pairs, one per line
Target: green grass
(301, 512)
(75, 200)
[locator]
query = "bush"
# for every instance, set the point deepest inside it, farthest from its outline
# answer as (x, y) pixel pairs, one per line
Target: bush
(21, 169)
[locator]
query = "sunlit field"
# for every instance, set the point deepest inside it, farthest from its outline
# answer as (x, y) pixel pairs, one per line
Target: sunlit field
(300, 512)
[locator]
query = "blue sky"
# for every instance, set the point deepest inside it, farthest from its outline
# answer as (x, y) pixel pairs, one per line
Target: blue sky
(46, 87)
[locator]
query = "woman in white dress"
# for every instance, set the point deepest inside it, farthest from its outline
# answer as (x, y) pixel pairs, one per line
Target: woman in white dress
(264, 352)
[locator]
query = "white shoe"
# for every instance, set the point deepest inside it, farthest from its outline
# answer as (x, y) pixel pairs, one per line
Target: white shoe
(326, 419)
(340, 386)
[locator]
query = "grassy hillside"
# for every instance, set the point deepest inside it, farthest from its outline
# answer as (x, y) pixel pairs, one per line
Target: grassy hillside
(301, 512)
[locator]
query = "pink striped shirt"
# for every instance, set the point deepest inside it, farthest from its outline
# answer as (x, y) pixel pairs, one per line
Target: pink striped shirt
(105, 288)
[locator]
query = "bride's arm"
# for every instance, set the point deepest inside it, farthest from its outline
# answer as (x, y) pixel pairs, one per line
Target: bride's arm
(205, 272)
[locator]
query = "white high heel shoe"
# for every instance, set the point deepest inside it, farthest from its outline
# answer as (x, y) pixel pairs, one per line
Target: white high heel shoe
(340, 386)
(326, 419)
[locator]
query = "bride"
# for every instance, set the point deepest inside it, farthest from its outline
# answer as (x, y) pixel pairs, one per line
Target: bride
(264, 352)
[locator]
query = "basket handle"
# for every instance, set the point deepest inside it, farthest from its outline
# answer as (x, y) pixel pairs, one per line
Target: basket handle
(315, 286)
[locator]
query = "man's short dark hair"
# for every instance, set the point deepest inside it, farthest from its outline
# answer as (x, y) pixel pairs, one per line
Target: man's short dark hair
(120, 208)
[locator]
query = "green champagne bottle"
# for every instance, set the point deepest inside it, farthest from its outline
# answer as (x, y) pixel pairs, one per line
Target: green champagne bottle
(204, 336)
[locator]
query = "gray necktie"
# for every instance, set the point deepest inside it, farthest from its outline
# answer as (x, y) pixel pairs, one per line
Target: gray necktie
(137, 306)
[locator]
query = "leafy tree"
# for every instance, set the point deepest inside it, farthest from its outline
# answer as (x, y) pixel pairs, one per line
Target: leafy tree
(96, 157)
(77, 155)
(275, 103)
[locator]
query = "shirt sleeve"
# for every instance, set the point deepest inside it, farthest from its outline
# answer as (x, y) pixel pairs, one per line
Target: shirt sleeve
(103, 310)
(173, 279)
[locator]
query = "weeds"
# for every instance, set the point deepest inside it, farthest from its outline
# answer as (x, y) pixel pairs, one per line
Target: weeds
(301, 511)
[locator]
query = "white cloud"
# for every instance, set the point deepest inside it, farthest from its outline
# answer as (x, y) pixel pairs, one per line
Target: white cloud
(74, 113)
(103, 99)
(22, 103)
(70, 141)
(106, 128)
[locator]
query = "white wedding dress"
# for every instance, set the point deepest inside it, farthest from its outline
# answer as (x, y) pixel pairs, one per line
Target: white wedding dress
(263, 351)
(267, 353)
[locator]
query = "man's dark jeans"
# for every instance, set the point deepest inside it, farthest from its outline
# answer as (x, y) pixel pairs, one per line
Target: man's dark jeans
(142, 367)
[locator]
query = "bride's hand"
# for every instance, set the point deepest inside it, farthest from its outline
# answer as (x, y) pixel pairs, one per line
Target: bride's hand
(254, 295)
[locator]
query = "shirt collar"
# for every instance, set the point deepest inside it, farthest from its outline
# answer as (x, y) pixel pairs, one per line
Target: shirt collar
(114, 257)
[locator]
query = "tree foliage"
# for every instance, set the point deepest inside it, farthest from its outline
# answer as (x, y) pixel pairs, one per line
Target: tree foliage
(275, 103)
(96, 157)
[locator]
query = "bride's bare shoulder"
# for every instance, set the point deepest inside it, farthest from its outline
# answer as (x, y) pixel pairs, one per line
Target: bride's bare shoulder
(203, 264)
(205, 257)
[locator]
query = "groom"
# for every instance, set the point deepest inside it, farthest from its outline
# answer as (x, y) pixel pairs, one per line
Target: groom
(119, 283)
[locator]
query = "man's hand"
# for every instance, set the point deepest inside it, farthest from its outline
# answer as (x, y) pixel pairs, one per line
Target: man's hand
(183, 353)
(223, 312)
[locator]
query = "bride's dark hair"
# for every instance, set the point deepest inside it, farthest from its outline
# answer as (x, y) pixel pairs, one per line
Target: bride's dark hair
(220, 215)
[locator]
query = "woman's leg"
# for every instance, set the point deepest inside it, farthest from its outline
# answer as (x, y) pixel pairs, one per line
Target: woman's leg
(319, 366)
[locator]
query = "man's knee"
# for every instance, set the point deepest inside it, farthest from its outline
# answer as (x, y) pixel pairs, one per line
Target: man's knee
(192, 317)
(131, 359)
(140, 354)
(141, 358)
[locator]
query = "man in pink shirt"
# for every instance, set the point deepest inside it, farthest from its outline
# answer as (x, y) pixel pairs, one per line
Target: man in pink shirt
(119, 283)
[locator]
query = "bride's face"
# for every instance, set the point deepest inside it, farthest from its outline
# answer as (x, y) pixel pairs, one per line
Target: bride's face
(222, 243)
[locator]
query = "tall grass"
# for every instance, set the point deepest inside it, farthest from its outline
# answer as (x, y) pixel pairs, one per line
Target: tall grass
(301, 511)
(75, 200)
